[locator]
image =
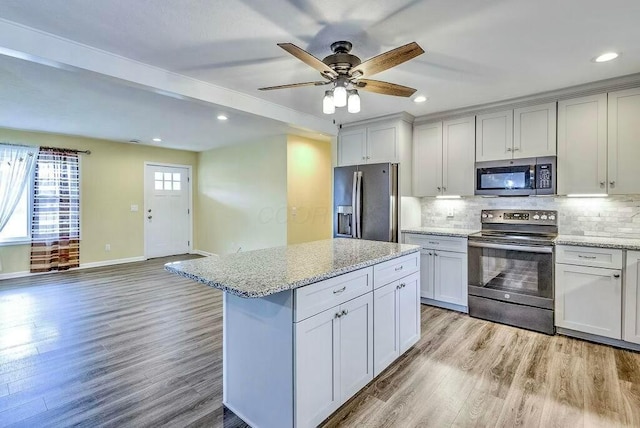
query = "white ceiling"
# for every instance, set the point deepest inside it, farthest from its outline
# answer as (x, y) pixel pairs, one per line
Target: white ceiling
(477, 50)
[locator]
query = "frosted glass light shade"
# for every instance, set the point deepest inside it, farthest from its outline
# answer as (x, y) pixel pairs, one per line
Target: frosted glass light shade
(340, 96)
(353, 103)
(327, 103)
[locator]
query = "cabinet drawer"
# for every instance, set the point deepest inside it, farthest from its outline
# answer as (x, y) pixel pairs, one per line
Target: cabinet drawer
(315, 298)
(386, 272)
(435, 242)
(610, 258)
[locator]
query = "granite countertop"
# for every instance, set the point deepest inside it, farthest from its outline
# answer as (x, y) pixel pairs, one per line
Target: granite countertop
(260, 273)
(599, 241)
(440, 231)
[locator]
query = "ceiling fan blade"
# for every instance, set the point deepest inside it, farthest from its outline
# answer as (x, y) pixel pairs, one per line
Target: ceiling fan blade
(387, 60)
(385, 88)
(308, 59)
(295, 85)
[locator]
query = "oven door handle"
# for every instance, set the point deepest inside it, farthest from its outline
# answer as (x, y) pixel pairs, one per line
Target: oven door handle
(525, 248)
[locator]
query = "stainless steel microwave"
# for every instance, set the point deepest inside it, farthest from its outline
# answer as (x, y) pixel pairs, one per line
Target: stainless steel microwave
(516, 177)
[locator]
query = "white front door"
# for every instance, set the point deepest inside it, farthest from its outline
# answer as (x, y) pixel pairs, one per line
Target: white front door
(167, 211)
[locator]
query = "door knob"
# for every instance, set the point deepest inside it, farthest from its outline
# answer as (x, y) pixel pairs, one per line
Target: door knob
(602, 184)
(612, 183)
(149, 217)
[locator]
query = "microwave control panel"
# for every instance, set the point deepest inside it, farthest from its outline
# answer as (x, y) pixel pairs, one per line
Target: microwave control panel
(544, 180)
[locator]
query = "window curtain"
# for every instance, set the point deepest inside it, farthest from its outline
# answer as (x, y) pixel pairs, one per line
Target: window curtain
(55, 226)
(16, 167)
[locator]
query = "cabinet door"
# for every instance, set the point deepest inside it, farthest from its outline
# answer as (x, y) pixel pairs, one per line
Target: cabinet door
(624, 142)
(426, 273)
(589, 300)
(352, 147)
(494, 136)
(450, 277)
(458, 165)
(316, 375)
(632, 298)
(385, 322)
(408, 311)
(534, 131)
(382, 144)
(582, 145)
(355, 349)
(427, 160)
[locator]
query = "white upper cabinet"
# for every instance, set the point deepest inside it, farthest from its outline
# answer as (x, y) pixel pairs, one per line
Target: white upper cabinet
(382, 144)
(582, 145)
(494, 136)
(443, 160)
(458, 166)
(387, 140)
(526, 132)
(534, 131)
(352, 148)
(427, 159)
(624, 142)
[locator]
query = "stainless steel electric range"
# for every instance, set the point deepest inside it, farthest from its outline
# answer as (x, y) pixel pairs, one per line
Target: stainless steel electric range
(511, 264)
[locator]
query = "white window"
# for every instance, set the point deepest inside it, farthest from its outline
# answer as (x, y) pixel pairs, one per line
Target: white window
(166, 181)
(17, 228)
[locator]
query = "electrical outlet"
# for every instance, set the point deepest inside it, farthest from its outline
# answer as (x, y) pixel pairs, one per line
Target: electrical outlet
(450, 212)
(107, 247)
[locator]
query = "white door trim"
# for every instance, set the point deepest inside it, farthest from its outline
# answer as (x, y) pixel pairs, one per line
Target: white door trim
(190, 195)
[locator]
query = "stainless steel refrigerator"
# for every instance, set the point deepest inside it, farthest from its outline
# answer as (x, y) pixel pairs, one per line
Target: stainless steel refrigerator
(365, 202)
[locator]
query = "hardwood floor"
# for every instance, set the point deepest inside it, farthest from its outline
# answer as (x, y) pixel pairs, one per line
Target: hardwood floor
(135, 346)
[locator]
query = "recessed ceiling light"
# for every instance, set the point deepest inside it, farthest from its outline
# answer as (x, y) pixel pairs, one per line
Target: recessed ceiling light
(420, 99)
(222, 117)
(608, 56)
(157, 140)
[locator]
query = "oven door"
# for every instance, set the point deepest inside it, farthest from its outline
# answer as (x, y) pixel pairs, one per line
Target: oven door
(511, 273)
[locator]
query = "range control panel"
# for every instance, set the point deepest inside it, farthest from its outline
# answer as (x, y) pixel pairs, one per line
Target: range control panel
(519, 216)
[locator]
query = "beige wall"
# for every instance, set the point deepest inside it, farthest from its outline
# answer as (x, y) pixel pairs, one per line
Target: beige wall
(309, 194)
(242, 192)
(111, 181)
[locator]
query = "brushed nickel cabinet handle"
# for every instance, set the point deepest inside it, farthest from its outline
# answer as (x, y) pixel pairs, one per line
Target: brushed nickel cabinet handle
(612, 183)
(586, 257)
(399, 268)
(340, 290)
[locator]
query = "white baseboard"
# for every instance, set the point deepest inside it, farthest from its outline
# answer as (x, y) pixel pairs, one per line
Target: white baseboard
(21, 274)
(202, 253)
(111, 262)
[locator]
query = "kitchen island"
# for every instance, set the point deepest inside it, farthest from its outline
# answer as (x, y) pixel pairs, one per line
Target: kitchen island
(307, 326)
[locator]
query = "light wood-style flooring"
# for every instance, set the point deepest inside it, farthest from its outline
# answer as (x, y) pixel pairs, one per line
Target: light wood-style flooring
(135, 346)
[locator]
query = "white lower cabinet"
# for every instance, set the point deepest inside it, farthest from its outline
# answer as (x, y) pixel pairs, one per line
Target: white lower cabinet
(588, 298)
(443, 269)
(334, 358)
(632, 298)
(450, 278)
(396, 320)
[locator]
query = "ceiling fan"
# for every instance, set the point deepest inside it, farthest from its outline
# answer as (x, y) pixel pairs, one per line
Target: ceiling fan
(345, 70)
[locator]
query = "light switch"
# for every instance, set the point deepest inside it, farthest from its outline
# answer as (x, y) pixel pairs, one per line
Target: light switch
(134, 208)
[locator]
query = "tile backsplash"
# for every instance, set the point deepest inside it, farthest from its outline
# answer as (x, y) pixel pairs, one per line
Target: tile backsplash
(611, 216)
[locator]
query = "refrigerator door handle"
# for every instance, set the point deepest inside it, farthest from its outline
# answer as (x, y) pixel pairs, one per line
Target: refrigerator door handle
(358, 213)
(354, 206)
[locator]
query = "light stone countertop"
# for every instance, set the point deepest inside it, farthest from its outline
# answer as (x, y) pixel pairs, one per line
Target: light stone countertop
(261, 273)
(440, 231)
(599, 242)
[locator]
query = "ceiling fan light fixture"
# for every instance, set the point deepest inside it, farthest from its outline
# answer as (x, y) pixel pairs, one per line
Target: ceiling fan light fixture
(353, 102)
(328, 107)
(340, 94)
